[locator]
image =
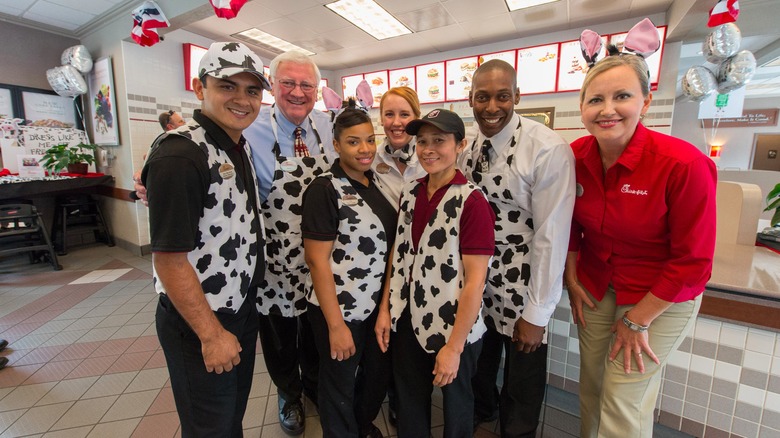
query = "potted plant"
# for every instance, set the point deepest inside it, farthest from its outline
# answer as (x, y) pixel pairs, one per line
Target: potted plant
(76, 159)
(773, 203)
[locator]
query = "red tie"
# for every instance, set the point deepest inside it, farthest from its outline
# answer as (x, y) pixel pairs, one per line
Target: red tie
(300, 147)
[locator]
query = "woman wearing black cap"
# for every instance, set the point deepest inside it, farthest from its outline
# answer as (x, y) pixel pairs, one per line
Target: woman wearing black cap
(433, 295)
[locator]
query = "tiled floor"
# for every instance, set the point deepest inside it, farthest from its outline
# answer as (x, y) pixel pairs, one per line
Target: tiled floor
(85, 360)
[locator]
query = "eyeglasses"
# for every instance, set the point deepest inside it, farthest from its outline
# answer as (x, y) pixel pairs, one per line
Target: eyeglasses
(170, 112)
(290, 85)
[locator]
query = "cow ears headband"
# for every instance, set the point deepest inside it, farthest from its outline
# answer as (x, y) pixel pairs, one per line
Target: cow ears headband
(641, 40)
(363, 100)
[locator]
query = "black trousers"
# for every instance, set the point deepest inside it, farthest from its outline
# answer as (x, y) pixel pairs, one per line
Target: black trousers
(208, 404)
(290, 355)
(522, 394)
(413, 374)
(349, 401)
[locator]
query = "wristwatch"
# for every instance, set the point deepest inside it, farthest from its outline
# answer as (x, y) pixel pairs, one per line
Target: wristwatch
(634, 326)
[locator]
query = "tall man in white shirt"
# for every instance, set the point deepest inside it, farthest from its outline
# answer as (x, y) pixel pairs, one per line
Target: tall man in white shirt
(527, 172)
(291, 144)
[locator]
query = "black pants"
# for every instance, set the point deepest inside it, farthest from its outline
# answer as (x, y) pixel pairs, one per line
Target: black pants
(288, 344)
(349, 401)
(209, 404)
(413, 374)
(522, 394)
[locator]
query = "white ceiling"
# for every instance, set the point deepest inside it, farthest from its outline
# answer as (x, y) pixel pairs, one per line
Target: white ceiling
(438, 25)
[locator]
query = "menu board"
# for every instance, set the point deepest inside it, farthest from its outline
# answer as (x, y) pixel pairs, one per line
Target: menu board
(49, 110)
(349, 85)
(268, 97)
(537, 68)
(378, 83)
(508, 56)
(320, 104)
(653, 61)
(459, 73)
(573, 67)
(402, 77)
(430, 82)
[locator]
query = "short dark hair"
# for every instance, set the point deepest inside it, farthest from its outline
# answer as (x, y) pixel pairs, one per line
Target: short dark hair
(165, 118)
(348, 118)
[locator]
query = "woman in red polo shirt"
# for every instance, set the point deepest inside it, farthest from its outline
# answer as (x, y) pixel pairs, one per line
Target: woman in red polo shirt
(640, 254)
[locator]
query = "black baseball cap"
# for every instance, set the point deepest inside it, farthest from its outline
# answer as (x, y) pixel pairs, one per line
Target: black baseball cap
(442, 119)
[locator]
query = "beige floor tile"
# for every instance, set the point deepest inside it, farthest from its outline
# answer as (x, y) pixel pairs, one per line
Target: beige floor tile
(261, 384)
(76, 432)
(85, 412)
(25, 396)
(252, 417)
(132, 405)
(115, 429)
(158, 426)
(7, 418)
(99, 334)
(110, 384)
(148, 379)
(131, 331)
(67, 390)
(37, 420)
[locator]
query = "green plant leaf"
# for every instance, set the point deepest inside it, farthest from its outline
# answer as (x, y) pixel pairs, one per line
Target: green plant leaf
(772, 193)
(775, 204)
(775, 218)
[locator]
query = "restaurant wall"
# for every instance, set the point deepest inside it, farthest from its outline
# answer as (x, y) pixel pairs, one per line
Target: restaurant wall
(128, 220)
(737, 142)
(43, 49)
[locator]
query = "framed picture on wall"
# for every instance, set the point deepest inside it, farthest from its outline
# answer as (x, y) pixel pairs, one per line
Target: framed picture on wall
(102, 104)
(49, 110)
(6, 103)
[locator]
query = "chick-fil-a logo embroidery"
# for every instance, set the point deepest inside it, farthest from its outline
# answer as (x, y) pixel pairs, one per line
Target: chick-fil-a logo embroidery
(627, 189)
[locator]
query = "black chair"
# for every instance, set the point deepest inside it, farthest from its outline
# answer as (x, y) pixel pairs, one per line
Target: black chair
(22, 230)
(77, 214)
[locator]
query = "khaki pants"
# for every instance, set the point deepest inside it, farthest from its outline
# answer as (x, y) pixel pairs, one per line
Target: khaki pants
(613, 403)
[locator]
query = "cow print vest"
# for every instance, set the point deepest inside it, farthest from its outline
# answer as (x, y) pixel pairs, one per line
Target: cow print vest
(359, 254)
(282, 291)
(226, 250)
(430, 280)
(510, 271)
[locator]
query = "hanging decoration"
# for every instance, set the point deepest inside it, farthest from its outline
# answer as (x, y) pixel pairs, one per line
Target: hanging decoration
(227, 8)
(733, 68)
(147, 18)
(78, 57)
(66, 81)
(725, 11)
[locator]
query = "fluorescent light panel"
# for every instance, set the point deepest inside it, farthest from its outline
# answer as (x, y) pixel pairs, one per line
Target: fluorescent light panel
(266, 39)
(514, 5)
(369, 16)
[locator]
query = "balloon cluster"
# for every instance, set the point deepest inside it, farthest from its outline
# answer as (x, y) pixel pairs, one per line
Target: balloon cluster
(67, 80)
(733, 67)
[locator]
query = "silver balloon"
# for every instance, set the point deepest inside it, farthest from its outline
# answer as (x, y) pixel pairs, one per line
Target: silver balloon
(77, 56)
(722, 42)
(698, 83)
(736, 71)
(66, 81)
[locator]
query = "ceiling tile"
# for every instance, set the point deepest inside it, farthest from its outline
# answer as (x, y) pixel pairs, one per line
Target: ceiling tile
(94, 7)
(287, 29)
(499, 27)
(15, 4)
(600, 10)
(541, 17)
(320, 19)
(47, 19)
(352, 37)
(429, 17)
(398, 6)
(10, 10)
(441, 38)
(464, 10)
(284, 7)
(44, 10)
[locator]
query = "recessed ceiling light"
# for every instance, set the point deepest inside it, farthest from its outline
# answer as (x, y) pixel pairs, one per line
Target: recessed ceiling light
(369, 16)
(514, 5)
(266, 40)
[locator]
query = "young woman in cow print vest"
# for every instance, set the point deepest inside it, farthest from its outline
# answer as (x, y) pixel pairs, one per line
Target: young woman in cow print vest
(347, 223)
(433, 296)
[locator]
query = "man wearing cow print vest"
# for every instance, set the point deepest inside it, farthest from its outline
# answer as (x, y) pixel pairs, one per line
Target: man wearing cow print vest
(527, 173)
(207, 244)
